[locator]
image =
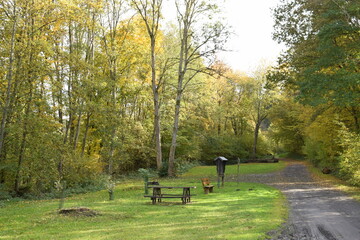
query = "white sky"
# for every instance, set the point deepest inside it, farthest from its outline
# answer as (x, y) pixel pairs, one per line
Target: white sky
(252, 23)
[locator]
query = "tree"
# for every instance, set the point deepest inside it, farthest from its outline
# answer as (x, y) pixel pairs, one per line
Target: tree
(10, 9)
(262, 101)
(321, 67)
(150, 12)
(231, 92)
(25, 150)
(288, 123)
(323, 39)
(112, 43)
(196, 43)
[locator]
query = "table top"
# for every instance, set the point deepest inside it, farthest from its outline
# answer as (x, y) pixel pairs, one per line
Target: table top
(157, 186)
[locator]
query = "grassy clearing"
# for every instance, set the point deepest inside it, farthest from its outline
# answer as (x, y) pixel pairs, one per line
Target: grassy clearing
(245, 168)
(232, 212)
(334, 181)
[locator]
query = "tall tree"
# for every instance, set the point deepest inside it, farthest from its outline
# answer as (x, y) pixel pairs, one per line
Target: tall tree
(262, 101)
(322, 68)
(111, 41)
(10, 9)
(323, 56)
(198, 40)
(150, 11)
(233, 95)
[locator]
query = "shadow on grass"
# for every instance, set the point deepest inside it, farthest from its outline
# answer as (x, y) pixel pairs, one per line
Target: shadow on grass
(228, 213)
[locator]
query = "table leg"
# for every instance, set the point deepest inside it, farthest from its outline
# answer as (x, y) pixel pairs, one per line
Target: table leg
(156, 194)
(186, 195)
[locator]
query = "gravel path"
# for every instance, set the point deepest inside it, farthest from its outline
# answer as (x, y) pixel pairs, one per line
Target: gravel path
(316, 211)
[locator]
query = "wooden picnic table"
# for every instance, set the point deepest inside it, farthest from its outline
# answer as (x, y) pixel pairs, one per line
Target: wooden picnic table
(158, 194)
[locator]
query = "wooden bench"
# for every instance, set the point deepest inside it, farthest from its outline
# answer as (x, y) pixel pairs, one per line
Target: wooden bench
(158, 195)
(155, 199)
(148, 184)
(152, 183)
(207, 186)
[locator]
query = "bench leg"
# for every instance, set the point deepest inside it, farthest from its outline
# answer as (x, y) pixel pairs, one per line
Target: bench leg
(211, 189)
(186, 196)
(185, 200)
(206, 190)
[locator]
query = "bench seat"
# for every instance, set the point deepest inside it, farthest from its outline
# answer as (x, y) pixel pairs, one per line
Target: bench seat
(207, 186)
(165, 196)
(183, 198)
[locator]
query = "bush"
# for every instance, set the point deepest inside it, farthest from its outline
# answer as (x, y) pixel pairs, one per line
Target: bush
(4, 194)
(321, 146)
(81, 172)
(183, 166)
(315, 152)
(163, 172)
(228, 146)
(350, 156)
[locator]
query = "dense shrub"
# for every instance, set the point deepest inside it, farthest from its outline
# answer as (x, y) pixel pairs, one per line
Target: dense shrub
(286, 126)
(182, 166)
(81, 171)
(232, 147)
(163, 171)
(3, 193)
(321, 146)
(350, 157)
(315, 152)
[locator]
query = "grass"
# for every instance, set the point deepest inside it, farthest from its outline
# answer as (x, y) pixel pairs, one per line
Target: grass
(334, 181)
(245, 168)
(237, 211)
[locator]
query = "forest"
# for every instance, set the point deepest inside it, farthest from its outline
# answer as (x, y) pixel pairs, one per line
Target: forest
(91, 90)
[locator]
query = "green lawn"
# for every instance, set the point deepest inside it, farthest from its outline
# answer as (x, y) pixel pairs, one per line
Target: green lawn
(245, 168)
(232, 212)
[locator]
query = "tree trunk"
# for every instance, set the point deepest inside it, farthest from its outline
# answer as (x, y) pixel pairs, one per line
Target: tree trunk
(27, 109)
(85, 134)
(355, 115)
(155, 89)
(151, 15)
(21, 157)
(26, 121)
(9, 77)
(171, 168)
(157, 131)
(183, 58)
(256, 134)
(77, 132)
(234, 126)
(67, 129)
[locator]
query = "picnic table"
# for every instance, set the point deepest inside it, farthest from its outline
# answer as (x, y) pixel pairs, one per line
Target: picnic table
(158, 194)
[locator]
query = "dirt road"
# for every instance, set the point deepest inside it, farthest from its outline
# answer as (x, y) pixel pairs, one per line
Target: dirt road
(316, 211)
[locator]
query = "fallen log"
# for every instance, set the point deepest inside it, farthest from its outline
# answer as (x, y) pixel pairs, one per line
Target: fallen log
(263, 160)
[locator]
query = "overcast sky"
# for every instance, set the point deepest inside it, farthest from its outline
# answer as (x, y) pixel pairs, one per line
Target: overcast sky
(252, 23)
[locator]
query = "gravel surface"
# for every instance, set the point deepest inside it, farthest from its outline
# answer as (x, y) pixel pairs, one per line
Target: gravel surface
(317, 211)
